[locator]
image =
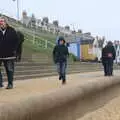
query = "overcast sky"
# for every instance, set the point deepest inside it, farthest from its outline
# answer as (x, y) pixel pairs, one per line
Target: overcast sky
(97, 16)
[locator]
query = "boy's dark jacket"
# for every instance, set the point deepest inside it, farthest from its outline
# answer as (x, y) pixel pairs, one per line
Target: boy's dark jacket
(8, 43)
(60, 53)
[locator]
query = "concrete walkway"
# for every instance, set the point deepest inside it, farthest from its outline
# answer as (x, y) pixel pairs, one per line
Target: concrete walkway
(102, 106)
(110, 111)
(32, 87)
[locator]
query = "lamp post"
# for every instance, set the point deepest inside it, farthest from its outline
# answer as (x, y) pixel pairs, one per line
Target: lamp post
(17, 8)
(74, 30)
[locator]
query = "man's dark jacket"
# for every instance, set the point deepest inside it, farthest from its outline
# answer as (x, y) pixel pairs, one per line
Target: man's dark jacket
(8, 43)
(60, 53)
(106, 51)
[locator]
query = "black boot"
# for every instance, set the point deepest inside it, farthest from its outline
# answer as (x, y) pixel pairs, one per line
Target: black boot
(10, 80)
(1, 85)
(10, 86)
(105, 75)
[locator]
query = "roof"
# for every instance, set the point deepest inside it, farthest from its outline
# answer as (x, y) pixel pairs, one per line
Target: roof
(82, 38)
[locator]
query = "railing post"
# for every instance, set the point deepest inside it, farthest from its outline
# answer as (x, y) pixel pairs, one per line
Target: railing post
(46, 44)
(33, 37)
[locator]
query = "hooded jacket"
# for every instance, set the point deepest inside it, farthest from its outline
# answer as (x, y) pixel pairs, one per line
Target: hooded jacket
(60, 53)
(108, 52)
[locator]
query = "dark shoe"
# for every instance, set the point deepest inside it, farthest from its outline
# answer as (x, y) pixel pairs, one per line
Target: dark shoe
(64, 82)
(60, 78)
(9, 87)
(1, 86)
(106, 75)
(110, 75)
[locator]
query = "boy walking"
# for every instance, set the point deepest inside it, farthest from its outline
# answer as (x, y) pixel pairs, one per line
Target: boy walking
(60, 54)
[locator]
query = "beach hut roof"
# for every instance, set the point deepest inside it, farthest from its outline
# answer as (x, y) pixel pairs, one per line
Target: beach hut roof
(83, 38)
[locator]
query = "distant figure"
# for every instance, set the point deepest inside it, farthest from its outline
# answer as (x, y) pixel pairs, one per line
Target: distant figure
(108, 56)
(60, 54)
(57, 39)
(8, 47)
(20, 45)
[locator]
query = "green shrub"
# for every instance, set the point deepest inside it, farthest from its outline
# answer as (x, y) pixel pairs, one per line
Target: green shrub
(73, 57)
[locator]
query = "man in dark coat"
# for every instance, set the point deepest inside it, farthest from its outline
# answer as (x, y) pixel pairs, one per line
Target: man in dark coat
(19, 48)
(8, 47)
(60, 54)
(108, 56)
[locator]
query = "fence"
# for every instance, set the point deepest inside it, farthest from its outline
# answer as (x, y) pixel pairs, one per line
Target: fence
(33, 36)
(38, 41)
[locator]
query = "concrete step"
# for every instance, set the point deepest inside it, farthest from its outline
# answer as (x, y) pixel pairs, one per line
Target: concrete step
(34, 70)
(44, 63)
(36, 75)
(38, 67)
(43, 69)
(40, 71)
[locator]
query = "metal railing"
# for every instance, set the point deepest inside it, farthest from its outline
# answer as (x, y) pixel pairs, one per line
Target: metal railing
(32, 36)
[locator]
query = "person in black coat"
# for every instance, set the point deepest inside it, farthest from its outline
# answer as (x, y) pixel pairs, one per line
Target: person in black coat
(60, 54)
(19, 48)
(108, 56)
(8, 47)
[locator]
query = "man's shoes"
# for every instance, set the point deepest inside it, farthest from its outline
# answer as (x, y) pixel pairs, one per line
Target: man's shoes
(110, 75)
(105, 75)
(1, 86)
(9, 87)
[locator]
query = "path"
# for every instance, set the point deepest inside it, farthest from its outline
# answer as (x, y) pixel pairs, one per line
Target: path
(31, 87)
(103, 107)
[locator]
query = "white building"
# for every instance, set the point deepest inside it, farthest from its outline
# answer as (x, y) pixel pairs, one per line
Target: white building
(97, 47)
(117, 48)
(27, 21)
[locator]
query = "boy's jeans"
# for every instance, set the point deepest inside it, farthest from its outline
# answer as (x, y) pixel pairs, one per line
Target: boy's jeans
(61, 68)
